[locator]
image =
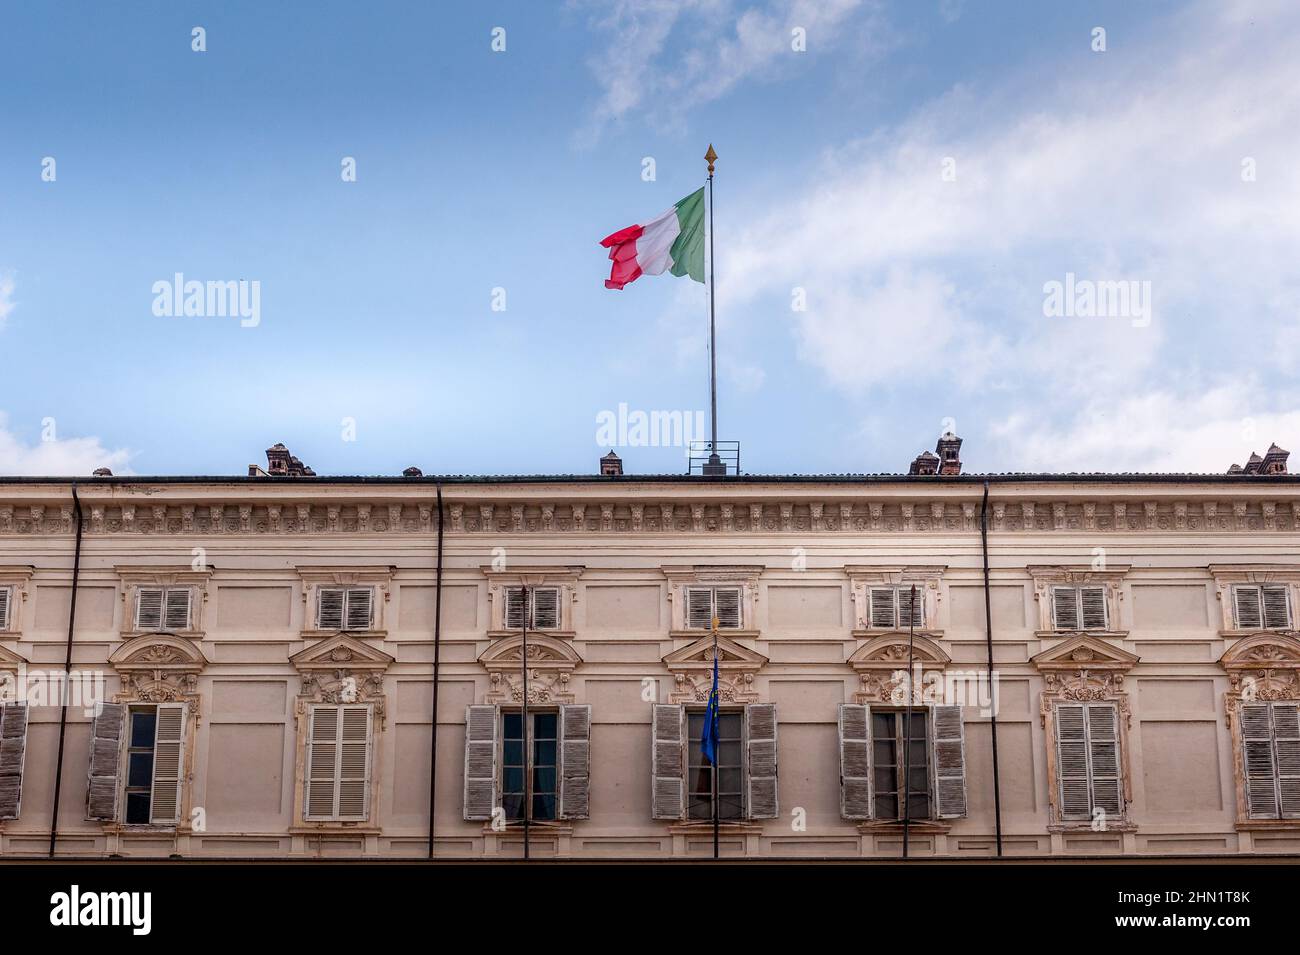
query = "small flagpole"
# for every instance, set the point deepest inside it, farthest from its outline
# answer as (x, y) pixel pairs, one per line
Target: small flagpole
(715, 465)
(717, 743)
(528, 762)
(907, 723)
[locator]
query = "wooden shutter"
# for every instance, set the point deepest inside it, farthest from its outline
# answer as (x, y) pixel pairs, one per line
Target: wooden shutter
(322, 762)
(883, 614)
(329, 608)
(1092, 602)
(13, 748)
(855, 761)
(1257, 754)
(699, 608)
(907, 616)
(354, 763)
(1277, 609)
(1072, 761)
(949, 745)
(481, 735)
(169, 741)
(514, 610)
(727, 607)
(1247, 604)
(760, 761)
(668, 761)
(1286, 741)
(176, 610)
(575, 760)
(105, 755)
(1065, 608)
(360, 600)
(546, 608)
(148, 608)
(1103, 758)
(5, 593)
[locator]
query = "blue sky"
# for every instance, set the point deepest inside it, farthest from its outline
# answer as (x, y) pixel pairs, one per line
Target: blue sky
(919, 171)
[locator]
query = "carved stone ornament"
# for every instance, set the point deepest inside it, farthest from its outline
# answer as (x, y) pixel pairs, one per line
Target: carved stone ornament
(551, 661)
(158, 668)
(691, 668)
(882, 667)
(1263, 668)
(342, 669)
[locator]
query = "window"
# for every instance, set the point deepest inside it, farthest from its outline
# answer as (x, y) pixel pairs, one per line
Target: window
(162, 608)
(1266, 606)
(543, 608)
(6, 596)
(730, 771)
(892, 608)
(338, 764)
(1079, 608)
(545, 729)
(887, 735)
(153, 764)
(13, 747)
(1087, 760)
(704, 604)
(873, 755)
(1270, 738)
(344, 608)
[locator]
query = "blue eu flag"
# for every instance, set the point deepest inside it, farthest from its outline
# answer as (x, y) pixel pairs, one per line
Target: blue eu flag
(709, 740)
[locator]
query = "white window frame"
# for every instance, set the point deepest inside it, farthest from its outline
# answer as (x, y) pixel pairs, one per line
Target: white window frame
(1079, 608)
(713, 589)
(531, 611)
(7, 615)
(1091, 775)
(345, 608)
(1259, 589)
(902, 596)
(164, 623)
(336, 778)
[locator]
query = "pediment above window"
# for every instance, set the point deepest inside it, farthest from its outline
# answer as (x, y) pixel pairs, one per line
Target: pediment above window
(1084, 651)
(341, 651)
(342, 669)
(1265, 667)
(882, 667)
(692, 671)
(551, 661)
(1083, 668)
(158, 668)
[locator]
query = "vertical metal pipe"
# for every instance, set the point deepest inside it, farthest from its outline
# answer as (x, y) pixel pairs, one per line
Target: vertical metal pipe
(437, 647)
(528, 736)
(713, 338)
(988, 640)
(717, 745)
(67, 678)
(907, 725)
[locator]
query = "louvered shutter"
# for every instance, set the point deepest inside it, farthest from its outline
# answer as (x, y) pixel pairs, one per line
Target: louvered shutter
(1093, 604)
(699, 608)
(169, 741)
(329, 608)
(1072, 761)
(1257, 752)
(1286, 739)
(668, 761)
(1065, 608)
(909, 614)
(322, 762)
(149, 608)
(575, 760)
(514, 613)
(360, 600)
(176, 610)
(1277, 610)
(949, 742)
(1103, 758)
(5, 593)
(1249, 612)
(105, 755)
(13, 748)
(546, 608)
(760, 761)
(855, 761)
(481, 734)
(354, 764)
(727, 607)
(883, 614)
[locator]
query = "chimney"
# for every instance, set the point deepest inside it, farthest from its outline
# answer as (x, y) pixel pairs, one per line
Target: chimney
(949, 451)
(412, 472)
(611, 465)
(1275, 460)
(1254, 463)
(280, 463)
(925, 464)
(101, 472)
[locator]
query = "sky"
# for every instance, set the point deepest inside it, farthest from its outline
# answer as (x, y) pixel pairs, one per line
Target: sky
(898, 187)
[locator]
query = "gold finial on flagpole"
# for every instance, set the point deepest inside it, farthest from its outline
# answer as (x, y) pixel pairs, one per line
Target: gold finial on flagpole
(710, 157)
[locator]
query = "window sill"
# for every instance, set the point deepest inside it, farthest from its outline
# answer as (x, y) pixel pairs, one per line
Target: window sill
(722, 632)
(1066, 634)
(731, 827)
(895, 826)
(871, 632)
(325, 634)
(310, 828)
(187, 634)
(568, 634)
(543, 827)
(1082, 826)
(1266, 825)
(1276, 631)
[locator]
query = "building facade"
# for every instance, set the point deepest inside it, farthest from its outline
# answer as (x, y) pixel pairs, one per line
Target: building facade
(264, 650)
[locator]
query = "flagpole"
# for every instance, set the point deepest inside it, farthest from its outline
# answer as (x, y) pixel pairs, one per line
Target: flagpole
(528, 770)
(714, 465)
(907, 723)
(717, 743)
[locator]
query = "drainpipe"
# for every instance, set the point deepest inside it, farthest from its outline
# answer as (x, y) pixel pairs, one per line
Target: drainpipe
(437, 646)
(988, 640)
(67, 677)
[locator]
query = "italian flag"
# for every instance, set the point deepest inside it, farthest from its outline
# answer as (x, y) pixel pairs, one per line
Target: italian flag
(673, 241)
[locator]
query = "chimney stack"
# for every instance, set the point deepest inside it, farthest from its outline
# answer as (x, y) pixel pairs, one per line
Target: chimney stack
(949, 451)
(611, 465)
(1273, 462)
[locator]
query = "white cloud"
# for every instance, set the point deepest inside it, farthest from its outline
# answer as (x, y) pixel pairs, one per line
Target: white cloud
(72, 457)
(7, 302)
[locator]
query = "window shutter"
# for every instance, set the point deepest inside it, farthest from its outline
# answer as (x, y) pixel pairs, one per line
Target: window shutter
(1286, 736)
(354, 763)
(1257, 753)
(105, 754)
(169, 740)
(1103, 756)
(13, 747)
(883, 616)
(668, 760)
(855, 761)
(760, 761)
(322, 762)
(699, 608)
(727, 603)
(1093, 600)
(360, 601)
(149, 608)
(546, 608)
(1277, 610)
(514, 610)
(1072, 761)
(1065, 608)
(1249, 612)
(481, 736)
(329, 608)
(949, 762)
(5, 593)
(575, 760)
(907, 615)
(176, 611)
